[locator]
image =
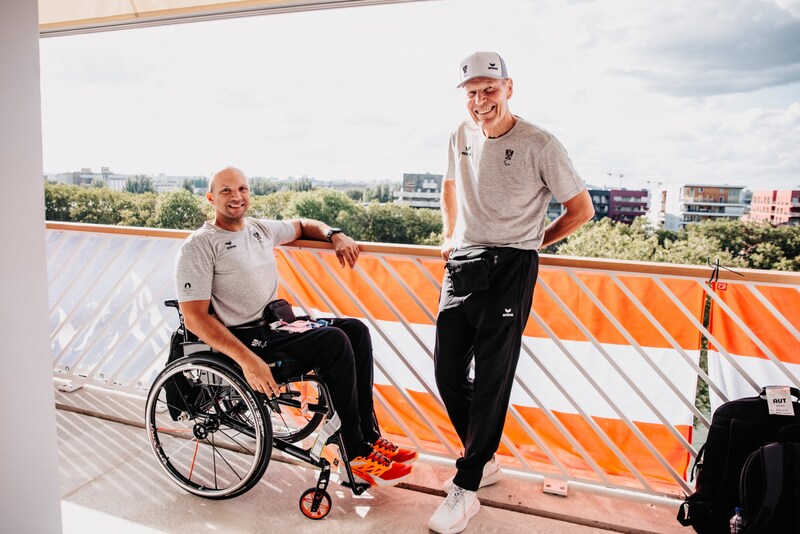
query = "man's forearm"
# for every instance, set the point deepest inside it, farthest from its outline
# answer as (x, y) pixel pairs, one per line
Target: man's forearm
(313, 229)
(579, 210)
(449, 208)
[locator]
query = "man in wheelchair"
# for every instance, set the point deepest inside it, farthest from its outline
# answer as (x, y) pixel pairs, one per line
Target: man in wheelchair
(228, 266)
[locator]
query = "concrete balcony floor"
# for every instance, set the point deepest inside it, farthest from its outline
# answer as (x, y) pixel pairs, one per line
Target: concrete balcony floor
(110, 482)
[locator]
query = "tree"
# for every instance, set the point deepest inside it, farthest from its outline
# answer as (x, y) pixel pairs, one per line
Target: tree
(188, 185)
(395, 223)
(611, 239)
(201, 184)
(755, 245)
(58, 201)
(733, 243)
(96, 206)
(179, 210)
(262, 186)
(324, 205)
(272, 206)
(139, 184)
(139, 211)
(303, 184)
(383, 192)
(355, 194)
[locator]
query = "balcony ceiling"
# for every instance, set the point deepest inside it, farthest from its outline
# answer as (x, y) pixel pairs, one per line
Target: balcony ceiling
(60, 17)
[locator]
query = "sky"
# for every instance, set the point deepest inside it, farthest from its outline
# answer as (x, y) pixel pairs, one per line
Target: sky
(641, 94)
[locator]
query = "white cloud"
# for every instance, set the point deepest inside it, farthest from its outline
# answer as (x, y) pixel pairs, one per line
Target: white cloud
(699, 48)
(679, 91)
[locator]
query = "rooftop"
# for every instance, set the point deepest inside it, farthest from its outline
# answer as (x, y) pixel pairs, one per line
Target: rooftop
(109, 481)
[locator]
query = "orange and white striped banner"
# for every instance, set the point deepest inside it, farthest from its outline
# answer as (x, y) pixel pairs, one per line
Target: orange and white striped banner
(755, 338)
(603, 362)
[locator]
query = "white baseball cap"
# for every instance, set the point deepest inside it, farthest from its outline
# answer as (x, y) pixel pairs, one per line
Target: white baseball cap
(483, 65)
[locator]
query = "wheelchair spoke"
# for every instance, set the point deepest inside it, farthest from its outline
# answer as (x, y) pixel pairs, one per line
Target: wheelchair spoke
(194, 458)
(220, 444)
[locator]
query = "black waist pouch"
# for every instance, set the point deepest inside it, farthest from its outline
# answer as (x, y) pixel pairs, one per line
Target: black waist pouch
(468, 273)
(279, 310)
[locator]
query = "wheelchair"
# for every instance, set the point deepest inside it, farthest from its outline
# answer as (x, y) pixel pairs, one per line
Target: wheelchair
(213, 435)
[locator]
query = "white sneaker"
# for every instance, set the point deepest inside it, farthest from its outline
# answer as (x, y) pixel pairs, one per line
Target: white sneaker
(491, 474)
(455, 512)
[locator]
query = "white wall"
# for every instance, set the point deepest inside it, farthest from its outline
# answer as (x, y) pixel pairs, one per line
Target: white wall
(29, 492)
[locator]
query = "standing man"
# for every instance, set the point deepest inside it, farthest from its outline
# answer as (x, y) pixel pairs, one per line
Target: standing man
(502, 171)
(226, 274)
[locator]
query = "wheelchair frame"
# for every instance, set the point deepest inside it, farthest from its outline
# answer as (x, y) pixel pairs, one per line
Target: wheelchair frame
(201, 401)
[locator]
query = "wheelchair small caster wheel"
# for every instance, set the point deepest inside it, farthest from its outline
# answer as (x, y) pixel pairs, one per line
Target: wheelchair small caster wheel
(307, 504)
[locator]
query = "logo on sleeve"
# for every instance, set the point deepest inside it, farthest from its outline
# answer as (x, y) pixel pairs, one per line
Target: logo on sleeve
(467, 151)
(187, 288)
(258, 237)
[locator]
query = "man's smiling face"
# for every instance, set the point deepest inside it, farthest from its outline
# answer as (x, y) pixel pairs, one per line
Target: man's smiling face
(487, 103)
(230, 196)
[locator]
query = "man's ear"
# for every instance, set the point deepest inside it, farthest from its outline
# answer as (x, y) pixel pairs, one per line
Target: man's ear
(209, 197)
(510, 84)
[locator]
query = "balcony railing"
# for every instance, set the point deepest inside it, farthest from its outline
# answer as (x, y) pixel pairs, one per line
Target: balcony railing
(606, 388)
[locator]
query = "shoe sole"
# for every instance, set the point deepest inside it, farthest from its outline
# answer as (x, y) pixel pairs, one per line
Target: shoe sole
(381, 483)
(461, 525)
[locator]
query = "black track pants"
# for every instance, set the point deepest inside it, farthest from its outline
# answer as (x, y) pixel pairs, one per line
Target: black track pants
(485, 326)
(342, 355)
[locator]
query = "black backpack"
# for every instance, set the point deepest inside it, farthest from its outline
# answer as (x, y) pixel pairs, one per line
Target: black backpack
(179, 393)
(769, 489)
(738, 428)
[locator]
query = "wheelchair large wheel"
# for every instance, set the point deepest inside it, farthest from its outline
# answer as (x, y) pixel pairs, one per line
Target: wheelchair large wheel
(303, 406)
(207, 428)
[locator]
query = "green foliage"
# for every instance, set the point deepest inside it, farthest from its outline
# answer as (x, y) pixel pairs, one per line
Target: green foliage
(397, 223)
(200, 184)
(271, 206)
(733, 243)
(262, 186)
(383, 192)
(179, 210)
(97, 205)
(613, 240)
(140, 210)
(355, 194)
(301, 185)
(58, 200)
(188, 185)
(324, 205)
(139, 184)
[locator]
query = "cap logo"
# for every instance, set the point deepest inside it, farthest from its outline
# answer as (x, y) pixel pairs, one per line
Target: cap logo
(492, 66)
(464, 68)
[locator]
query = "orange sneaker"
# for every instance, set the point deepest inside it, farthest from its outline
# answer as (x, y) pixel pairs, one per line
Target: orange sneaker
(378, 470)
(393, 452)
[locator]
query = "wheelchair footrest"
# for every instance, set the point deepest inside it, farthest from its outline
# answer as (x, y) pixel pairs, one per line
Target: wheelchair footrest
(358, 488)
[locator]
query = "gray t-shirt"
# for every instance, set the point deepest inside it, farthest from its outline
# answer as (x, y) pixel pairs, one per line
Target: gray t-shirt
(235, 270)
(503, 185)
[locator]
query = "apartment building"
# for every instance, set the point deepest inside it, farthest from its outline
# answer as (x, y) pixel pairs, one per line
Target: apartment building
(627, 204)
(420, 190)
(776, 207)
(86, 176)
(674, 207)
(622, 205)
